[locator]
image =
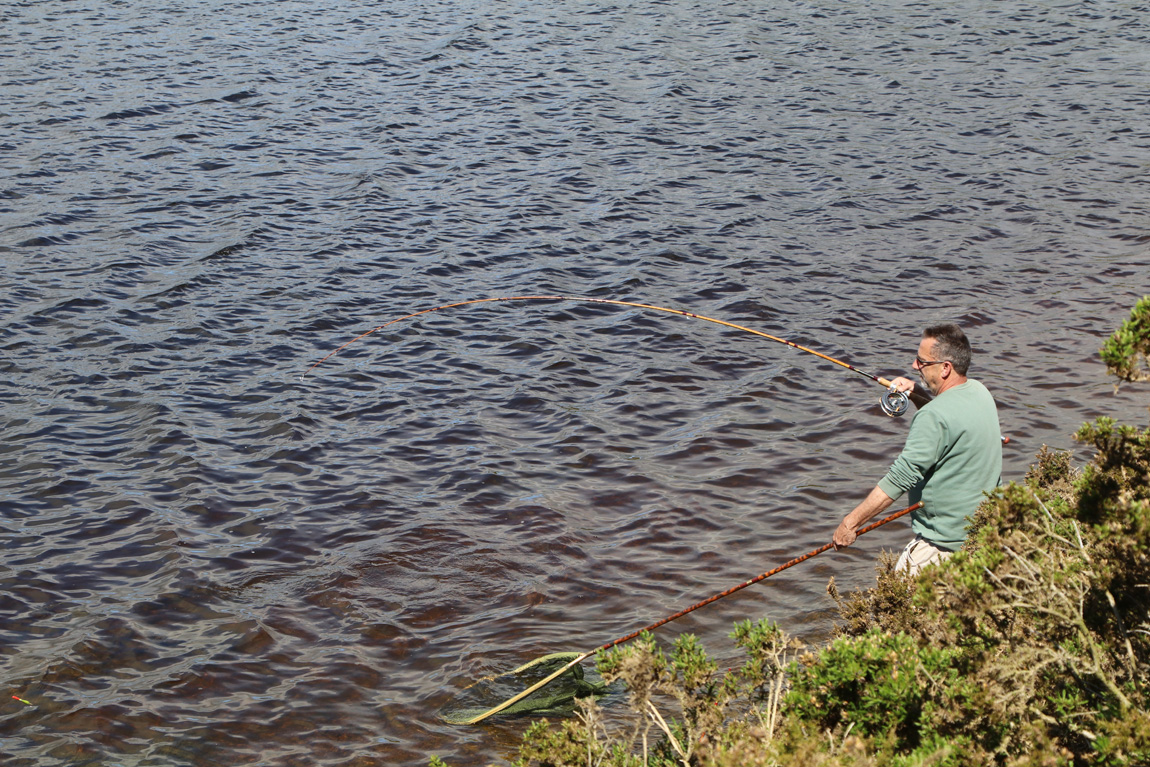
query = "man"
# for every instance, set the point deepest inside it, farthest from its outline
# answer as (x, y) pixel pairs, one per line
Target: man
(952, 456)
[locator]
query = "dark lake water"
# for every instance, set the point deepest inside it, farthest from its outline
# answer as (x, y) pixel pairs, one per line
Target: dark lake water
(212, 559)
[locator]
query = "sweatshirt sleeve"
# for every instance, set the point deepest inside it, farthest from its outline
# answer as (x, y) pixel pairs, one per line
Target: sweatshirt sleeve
(918, 456)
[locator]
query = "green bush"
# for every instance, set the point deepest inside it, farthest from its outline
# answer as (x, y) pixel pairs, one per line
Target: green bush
(1126, 352)
(881, 685)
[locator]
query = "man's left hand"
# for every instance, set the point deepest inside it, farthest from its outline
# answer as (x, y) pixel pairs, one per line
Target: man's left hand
(844, 536)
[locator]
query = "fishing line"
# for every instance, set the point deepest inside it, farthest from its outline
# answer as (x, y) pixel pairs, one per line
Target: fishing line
(893, 402)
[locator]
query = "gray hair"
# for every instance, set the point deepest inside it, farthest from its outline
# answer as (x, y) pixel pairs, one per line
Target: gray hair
(950, 344)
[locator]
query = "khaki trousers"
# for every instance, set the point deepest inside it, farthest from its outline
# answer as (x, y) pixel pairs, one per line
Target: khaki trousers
(919, 553)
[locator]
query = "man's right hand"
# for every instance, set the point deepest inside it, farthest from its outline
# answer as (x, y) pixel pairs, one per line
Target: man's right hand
(902, 384)
(919, 395)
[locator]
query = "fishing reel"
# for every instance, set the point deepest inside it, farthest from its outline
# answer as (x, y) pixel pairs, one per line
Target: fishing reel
(894, 403)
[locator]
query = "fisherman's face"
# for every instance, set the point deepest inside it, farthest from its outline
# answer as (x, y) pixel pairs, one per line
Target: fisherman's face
(930, 369)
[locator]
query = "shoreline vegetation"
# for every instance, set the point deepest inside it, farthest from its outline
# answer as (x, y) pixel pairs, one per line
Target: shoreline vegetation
(1030, 646)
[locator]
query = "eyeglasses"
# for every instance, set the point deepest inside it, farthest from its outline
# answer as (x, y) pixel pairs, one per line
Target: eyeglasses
(927, 363)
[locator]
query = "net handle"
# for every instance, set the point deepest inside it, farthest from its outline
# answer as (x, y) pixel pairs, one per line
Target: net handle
(680, 614)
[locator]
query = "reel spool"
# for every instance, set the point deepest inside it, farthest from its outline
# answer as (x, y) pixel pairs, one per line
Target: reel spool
(894, 403)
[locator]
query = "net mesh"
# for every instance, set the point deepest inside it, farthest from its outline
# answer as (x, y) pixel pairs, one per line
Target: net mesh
(554, 698)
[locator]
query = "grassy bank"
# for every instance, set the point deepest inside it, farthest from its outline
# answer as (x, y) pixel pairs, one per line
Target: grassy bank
(1031, 646)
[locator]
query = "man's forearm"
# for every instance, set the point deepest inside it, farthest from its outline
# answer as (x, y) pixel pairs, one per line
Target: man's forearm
(875, 502)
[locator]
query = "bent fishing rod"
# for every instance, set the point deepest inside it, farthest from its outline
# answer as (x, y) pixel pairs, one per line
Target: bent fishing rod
(893, 403)
(680, 614)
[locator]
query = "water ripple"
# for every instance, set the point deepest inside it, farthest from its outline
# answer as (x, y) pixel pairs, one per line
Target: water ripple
(211, 557)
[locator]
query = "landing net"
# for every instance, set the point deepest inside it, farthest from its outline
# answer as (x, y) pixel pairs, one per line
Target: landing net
(557, 698)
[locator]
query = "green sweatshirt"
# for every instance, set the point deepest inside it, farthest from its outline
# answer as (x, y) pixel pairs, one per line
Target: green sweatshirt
(953, 454)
